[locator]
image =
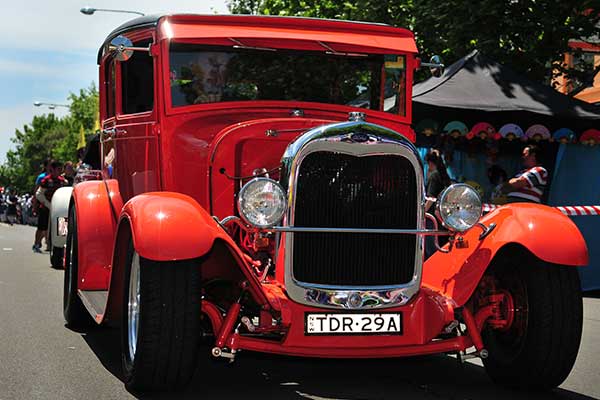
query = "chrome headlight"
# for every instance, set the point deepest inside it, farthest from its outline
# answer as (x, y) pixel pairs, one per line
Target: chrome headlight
(459, 207)
(262, 202)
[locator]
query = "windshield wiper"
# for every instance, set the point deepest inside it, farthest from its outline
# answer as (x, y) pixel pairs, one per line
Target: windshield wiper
(240, 45)
(337, 53)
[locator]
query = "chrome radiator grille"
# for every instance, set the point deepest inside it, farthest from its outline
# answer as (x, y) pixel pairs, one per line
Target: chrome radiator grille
(344, 191)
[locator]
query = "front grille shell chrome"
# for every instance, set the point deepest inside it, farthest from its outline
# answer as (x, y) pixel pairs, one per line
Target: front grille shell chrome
(359, 139)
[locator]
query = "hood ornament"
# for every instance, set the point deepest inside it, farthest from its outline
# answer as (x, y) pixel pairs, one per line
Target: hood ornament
(354, 116)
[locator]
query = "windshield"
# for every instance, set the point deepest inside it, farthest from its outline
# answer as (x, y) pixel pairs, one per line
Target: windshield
(206, 74)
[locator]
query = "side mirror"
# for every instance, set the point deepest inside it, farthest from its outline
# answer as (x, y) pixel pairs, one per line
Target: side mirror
(436, 66)
(123, 48)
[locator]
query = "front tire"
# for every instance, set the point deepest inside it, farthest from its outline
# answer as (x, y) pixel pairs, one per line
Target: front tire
(74, 312)
(160, 331)
(539, 348)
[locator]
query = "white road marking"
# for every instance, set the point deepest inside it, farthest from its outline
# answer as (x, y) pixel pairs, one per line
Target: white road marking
(7, 248)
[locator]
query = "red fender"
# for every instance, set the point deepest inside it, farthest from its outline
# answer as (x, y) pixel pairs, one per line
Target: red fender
(169, 226)
(96, 225)
(544, 231)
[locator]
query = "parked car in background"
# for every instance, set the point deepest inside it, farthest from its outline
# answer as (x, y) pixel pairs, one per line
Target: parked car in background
(59, 212)
(244, 197)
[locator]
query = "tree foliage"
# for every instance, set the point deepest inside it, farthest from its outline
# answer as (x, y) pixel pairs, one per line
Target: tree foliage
(531, 36)
(48, 136)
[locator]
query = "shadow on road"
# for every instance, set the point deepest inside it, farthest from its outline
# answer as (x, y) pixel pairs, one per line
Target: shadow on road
(256, 376)
(106, 345)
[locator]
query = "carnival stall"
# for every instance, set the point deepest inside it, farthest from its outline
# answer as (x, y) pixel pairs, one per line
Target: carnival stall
(481, 114)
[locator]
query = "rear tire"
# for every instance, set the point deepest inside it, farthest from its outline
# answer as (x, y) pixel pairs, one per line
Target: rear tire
(540, 347)
(160, 331)
(74, 312)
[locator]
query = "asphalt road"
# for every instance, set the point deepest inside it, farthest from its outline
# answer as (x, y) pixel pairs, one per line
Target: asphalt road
(42, 359)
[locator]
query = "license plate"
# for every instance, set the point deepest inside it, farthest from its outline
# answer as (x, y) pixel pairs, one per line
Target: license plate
(62, 226)
(353, 324)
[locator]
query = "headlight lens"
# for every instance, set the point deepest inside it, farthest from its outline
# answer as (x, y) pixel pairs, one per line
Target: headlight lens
(459, 207)
(261, 202)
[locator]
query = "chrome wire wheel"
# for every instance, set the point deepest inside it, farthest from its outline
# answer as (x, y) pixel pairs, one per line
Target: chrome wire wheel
(133, 305)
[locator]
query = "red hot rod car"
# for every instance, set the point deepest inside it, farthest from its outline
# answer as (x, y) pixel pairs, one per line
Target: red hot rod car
(244, 196)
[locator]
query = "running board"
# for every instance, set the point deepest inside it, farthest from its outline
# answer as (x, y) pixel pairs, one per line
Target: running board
(95, 302)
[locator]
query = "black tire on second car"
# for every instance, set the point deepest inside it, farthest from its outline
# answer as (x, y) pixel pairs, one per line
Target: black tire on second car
(161, 326)
(56, 257)
(74, 311)
(539, 349)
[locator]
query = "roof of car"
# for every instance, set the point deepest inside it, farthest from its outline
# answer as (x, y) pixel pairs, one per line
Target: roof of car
(148, 21)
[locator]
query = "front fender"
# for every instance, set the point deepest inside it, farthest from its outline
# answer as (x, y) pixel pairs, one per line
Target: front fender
(545, 232)
(167, 226)
(59, 208)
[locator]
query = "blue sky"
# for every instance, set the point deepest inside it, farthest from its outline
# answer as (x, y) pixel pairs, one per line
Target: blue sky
(49, 50)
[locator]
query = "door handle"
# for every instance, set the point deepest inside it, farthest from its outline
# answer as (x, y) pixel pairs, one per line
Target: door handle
(112, 132)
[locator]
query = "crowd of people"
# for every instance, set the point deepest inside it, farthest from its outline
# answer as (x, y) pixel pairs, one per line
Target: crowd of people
(34, 208)
(528, 185)
(15, 208)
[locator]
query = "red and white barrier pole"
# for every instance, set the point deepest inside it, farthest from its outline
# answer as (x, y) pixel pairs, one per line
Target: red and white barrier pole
(567, 210)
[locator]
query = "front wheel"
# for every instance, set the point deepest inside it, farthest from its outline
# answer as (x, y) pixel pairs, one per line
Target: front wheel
(160, 331)
(538, 348)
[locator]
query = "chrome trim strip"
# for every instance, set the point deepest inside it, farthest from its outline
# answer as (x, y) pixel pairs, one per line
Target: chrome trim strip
(372, 140)
(420, 232)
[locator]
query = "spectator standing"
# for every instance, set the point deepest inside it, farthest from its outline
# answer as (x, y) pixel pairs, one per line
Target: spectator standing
(2, 205)
(437, 177)
(437, 180)
(69, 173)
(11, 209)
(42, 174)
(529, 184)
(49, 184)
(34, 203)
(498, 178)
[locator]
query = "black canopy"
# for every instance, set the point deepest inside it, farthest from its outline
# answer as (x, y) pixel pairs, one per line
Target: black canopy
(477, 84)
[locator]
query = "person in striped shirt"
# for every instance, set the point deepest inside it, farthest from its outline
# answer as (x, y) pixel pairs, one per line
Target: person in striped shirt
(529, 184)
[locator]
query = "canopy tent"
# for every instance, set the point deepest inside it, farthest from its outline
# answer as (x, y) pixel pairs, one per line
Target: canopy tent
(478, 85)
(476, 89)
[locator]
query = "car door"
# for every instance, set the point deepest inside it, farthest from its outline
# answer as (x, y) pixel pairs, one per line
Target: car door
(133, 137)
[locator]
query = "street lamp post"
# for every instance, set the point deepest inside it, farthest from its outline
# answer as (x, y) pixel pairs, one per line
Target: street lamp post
(51, 106)
(91, 10)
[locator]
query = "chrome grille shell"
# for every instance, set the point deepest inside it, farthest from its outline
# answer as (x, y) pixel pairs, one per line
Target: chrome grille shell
(359, 139)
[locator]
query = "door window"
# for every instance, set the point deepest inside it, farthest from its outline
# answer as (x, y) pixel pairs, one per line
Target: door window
(110, 83)
(137, 81)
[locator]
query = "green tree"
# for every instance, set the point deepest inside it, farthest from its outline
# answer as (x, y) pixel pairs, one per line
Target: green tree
(48, 136)
(531, 36)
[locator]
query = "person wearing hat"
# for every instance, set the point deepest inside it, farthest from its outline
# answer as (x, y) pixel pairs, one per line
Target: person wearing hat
(529, 184)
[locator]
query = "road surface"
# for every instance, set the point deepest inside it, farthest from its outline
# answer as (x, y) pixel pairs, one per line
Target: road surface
(42, 359)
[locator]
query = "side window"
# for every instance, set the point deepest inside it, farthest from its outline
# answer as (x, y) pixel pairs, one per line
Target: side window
(137, 81)
(109, 82)
(394, 96)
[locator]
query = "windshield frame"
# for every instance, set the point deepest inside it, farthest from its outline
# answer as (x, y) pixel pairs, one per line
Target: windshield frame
(278, 104)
